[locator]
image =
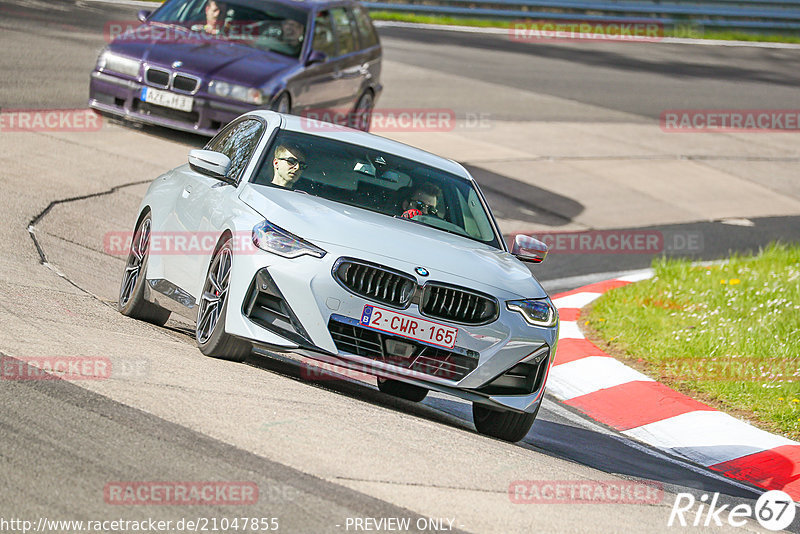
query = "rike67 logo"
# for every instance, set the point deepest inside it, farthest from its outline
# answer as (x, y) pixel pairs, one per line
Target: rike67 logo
(774, 510)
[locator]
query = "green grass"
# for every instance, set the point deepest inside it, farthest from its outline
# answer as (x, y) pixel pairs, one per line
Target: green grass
(728, 334)
(685, 31)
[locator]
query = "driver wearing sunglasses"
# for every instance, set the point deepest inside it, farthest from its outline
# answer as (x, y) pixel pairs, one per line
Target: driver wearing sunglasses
(423, 200)
(288, 164)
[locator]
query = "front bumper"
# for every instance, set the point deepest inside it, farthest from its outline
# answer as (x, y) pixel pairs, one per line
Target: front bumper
(120, 97)
(297, 306)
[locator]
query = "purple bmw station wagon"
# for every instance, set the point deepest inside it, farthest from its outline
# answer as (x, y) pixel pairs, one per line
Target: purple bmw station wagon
(195, 65)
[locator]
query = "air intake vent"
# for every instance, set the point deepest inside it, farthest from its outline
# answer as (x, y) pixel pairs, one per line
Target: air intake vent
(185, 84)
(456, 304)
(352, 338)
(157, 77)
(375, 282)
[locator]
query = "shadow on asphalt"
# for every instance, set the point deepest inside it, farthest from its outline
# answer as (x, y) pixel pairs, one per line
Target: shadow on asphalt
(512, 199)
(191, 139)
(594, 449)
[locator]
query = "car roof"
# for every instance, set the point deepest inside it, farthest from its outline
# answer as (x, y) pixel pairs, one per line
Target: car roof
(349, 135)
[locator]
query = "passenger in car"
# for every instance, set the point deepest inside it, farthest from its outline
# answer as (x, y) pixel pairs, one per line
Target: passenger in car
(423, 200)
(287, 164)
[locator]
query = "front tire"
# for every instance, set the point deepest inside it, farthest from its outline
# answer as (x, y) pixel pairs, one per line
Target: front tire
(131, 291)
(505, 425)
(402, 390)
(210, 329)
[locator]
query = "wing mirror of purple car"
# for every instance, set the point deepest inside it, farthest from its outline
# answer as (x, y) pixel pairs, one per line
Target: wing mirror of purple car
(210, 163)
(316, 57)
(529, 249)
(143, 14)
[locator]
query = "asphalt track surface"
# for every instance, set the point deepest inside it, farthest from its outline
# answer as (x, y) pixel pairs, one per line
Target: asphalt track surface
(62, 442)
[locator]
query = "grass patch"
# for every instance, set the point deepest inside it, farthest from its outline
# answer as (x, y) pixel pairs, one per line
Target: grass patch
(498, 23)
(727, 334)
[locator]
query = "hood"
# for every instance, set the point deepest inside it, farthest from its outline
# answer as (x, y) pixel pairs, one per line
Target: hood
(324, 222)
(205, 57)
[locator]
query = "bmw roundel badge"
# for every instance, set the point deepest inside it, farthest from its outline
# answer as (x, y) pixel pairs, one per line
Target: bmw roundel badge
(422, 271)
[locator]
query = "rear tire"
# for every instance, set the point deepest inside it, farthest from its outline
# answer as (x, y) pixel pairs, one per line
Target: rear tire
(402, 390)
(505, 425)
(131, 291)
(283, 104)
(210, 329)
(361, 118)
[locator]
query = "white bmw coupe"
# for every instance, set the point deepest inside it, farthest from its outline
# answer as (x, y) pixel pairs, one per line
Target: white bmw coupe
(289, 234)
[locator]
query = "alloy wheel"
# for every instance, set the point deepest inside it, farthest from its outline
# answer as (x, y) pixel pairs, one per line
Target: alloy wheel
(215, 292)
(136, 259)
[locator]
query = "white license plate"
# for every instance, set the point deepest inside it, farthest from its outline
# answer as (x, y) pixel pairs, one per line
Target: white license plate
(167, 99)
(407, 326)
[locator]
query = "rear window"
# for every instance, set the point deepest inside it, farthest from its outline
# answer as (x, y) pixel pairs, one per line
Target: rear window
(365, 28)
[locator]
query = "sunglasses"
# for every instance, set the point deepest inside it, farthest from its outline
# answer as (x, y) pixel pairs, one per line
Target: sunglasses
(294, 161)
(422, 206)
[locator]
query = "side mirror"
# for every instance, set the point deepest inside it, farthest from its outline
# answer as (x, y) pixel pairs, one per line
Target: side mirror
(210, 163)
(143, 14)
(527, 248)
(316, 57)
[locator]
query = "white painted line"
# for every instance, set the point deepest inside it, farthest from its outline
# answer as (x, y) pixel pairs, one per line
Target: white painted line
(638, 276)
(706, 437)
(569, 330)
(578, 300)
(587, 375)
(590, 37)
(573, 282)
(583, 422)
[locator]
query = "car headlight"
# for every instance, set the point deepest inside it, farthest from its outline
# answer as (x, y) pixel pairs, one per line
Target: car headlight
(538, 312)
(109, 61)
(235, 91)
(269, 237)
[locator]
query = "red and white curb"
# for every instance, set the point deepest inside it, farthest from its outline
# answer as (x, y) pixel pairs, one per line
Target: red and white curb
(586, 378)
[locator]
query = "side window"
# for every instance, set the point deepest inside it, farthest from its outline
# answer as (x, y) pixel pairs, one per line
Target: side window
(323, 35)
(238, 143)
(345, 31)
(365, 28)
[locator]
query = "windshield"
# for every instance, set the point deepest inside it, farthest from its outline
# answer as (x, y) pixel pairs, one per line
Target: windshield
(268, 26)
(376, 181)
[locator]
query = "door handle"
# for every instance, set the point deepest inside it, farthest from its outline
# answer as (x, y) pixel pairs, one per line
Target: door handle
(187, 190)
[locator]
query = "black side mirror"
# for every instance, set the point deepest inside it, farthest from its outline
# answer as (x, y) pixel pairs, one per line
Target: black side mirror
(316, 57)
